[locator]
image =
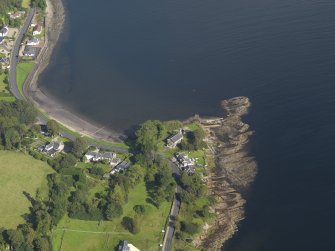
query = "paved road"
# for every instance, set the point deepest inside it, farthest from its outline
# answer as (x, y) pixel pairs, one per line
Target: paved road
(168, 237)
(14, 59)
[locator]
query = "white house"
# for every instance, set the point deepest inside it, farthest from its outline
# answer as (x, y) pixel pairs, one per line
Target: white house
(95, 157)
(185, 163)
(33, 42)
(4, 31)
(53, 147)
(37, 30)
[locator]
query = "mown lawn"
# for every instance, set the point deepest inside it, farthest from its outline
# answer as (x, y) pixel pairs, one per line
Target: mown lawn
(19, 173)
(22, 71)
(109, 233)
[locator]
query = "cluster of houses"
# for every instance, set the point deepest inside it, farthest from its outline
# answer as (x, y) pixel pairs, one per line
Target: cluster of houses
(32, 45)
(185, 163)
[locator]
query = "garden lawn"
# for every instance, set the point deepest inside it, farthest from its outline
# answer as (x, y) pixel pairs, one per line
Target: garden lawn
(22, 71)
(19, 173)
(105, 235)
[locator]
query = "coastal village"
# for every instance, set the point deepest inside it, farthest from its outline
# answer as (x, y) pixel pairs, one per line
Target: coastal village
(29, 48)
(107, 187)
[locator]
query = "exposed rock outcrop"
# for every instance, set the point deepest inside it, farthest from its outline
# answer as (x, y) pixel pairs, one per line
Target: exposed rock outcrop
(234, 170)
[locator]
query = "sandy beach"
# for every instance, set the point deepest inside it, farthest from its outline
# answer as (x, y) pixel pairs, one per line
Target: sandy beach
(55, 20)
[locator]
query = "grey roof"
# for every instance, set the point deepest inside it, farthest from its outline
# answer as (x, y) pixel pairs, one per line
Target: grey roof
(108, 155)
(124, 246)
(29, 50)
(4, 60)
(176, 137)
(3, 30)
(33, 40)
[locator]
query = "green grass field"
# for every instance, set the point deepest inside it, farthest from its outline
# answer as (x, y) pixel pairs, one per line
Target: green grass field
(25, 3)
(94, 235)
(19, 173)
(22, 71)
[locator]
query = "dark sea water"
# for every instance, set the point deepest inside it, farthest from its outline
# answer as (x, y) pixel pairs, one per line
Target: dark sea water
(122, 62)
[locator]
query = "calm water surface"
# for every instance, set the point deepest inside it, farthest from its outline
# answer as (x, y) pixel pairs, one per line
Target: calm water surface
(122, 62)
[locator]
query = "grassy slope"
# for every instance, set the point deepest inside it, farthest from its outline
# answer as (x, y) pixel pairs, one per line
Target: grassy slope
(22, 71)
(148, 239)
(19, 173)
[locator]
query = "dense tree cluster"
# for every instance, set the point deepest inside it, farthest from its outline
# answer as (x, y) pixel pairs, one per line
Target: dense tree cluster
(193, 140)
(41, 4)
(159, 181)
(8, 5)
(16, 118)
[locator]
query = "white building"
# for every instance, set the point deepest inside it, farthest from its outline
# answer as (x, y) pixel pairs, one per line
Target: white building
(37, 30)
(53, 147)
(4, 31)
(33, 42)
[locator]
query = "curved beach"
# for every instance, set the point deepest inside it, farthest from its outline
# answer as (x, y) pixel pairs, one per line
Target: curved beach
(55, 20)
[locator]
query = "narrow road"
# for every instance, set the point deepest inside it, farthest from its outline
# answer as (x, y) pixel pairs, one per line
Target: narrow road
(169, 232)
(14, 58)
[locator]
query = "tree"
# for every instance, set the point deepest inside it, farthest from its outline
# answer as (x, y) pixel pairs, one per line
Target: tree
(147, 138)
(68, 161)
(190, 228)
(113, 210)
(139, 209)
(97, 171)
(53, 127)
(130, 224)
(12, 138)
(79, 146)
(16, 238)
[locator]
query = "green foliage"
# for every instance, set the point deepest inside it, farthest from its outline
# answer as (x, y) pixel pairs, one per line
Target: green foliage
(148, 137)
(113, 210)
(79, 146)
(190, 228)
(194, 140)
(53, 127)
(68, 160)
(97, 171)
(7, 5)
(160, 183)
(41, 4)
(130, 224)
(139, 209)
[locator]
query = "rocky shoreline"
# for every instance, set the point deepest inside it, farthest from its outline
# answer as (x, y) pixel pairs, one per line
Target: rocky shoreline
(234, 171)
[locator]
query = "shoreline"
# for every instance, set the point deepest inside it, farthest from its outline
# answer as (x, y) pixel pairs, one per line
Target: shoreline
(53, 108)
(233, 172)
